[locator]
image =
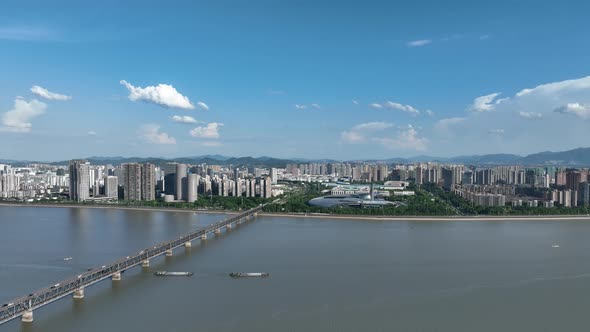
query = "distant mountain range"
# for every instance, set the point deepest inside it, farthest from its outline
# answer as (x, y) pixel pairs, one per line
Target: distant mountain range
(576, 157)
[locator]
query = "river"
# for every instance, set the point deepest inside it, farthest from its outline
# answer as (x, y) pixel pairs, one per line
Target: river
(326, 274)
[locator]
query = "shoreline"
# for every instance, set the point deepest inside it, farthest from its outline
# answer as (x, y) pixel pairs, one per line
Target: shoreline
(313, 215)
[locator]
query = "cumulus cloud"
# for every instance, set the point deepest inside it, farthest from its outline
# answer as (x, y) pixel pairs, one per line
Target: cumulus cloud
(316, 106)
(485, 103)
(396, 106)
(184, 119)
(211, 131)
(19, 118)
(203, 106)
(530, 115)
(358, 133)
(527, 118)
(405, 139)
(162, 94)
(44, 93)
(577, 109)
(300, 107)
(429, 113)
(420, 42)
(557, 87)
(151, 133)
(92, 133)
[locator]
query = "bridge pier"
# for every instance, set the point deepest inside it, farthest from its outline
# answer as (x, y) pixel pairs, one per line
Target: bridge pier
(27, 316)
(116, 276)
(169, 253)
(188, 244)
(228, 226)
(204, 236)
(145, 263)
(79, 293)
(218, 231)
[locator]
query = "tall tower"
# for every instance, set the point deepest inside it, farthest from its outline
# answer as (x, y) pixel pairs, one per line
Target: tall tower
(79, 180)
(132, 182)
(193, 187)
(148, 182)
(181, 182)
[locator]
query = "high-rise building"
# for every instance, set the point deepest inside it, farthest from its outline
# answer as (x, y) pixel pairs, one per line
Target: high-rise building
(132, 182)
(274, 176)
(181, 182)
(148, 182)
(169, 171)
(193, 187)
(111, 187)
(79, 180)
(266, 187)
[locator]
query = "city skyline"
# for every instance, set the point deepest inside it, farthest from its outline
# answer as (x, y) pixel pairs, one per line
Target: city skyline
(375, 81)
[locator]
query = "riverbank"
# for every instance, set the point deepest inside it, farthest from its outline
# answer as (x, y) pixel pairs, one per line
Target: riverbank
(117, 207)
(312, 215)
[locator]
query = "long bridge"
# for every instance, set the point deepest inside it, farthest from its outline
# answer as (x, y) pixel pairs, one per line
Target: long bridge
(24, 306)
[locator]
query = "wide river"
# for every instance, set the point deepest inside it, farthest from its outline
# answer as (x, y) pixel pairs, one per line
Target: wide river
(326, 274)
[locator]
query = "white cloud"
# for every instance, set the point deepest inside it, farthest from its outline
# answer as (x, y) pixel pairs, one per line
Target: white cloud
(429, 112)
(530, 115)
(352, 137)
(19, 118)
(203, 106)
(418, 43)
(406, 139)
(357, 134)
(447, 123)
(355, 102)
(400, 107)
(557, 87)
(496, 131)
(316, 106)
(577, 109)
(162, 94)
(151, 133)
(371, 126)
(300, 107)
(44, 93)
(92, 133)
(184, 119)
(211, 130)
(527, 117)
(485, 103)
(396, 106)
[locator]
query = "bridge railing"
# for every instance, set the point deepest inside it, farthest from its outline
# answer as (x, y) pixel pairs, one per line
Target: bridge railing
(18, 306)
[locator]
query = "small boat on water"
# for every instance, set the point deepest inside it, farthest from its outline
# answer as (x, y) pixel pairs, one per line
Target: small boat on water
(68, 259)
(166, 274)
(248, 274)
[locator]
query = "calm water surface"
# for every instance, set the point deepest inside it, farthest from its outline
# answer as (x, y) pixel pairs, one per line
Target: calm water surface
(326, 275)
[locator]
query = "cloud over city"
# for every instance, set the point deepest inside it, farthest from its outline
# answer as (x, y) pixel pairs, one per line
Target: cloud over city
(162, 94)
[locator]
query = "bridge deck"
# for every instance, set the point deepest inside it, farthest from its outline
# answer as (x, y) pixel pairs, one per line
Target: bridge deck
(17, 307)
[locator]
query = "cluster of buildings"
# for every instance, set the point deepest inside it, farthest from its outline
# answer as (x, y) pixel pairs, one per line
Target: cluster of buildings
(327, 172)
(173, 182)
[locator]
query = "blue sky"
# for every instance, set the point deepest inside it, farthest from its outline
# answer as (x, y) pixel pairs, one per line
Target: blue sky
(313, 79)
